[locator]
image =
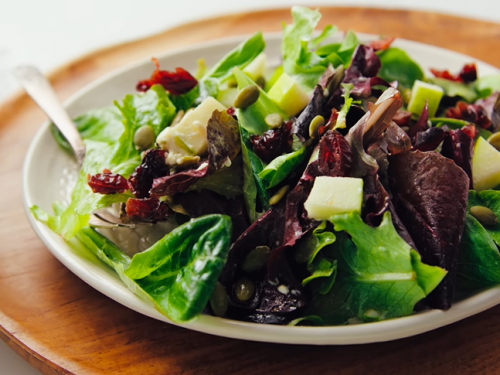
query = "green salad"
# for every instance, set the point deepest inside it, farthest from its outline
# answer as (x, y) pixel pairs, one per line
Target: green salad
(343, 186)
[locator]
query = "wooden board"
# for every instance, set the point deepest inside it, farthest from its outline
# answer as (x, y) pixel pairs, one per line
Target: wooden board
(61, 325)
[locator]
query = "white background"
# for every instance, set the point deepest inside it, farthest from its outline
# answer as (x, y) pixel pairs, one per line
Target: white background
(47, 33)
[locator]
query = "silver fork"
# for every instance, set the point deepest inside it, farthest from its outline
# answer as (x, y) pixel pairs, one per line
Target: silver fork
(39, 89)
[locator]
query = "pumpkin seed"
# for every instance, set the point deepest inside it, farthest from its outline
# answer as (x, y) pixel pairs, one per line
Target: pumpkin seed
(244, 289)
(494, 140)
(260, 81)
(247, 97)
(256, 259)
(317, 122)
(484, 215)
(219, 300)
(274, 120)
(144, 137)
(279, 194)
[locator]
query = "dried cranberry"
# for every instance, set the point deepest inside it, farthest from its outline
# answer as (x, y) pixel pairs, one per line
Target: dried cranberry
(273, 143)
(230, 111)
(153, 166)
(148, 209)
(470, 130)
(381, 44)
(402, 118)
(468, 73)
(107, 183)
(176, 83)
(471, 113)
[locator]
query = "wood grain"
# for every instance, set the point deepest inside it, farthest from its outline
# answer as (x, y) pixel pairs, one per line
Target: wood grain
(61, 325)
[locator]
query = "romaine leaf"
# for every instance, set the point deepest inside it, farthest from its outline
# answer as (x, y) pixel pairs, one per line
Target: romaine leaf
(379, 275)
(277, 170)
(252, 118)
(398, 66)
(179, 272)
(240, 57)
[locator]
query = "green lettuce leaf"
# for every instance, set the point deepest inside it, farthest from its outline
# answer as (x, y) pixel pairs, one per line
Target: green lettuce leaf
(396, 65)
(341, 119)
(252, 118)
(253, 187)
(312, 249)
(452, 89)
(299, 61)
(179, 272)
(278, 169)
(379, 276)
(487, 85)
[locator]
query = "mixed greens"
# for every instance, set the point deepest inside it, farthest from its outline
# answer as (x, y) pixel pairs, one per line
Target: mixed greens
(343, 186)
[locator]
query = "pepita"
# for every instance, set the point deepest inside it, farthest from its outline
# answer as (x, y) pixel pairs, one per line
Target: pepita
(484, 215)
(247, 97)
(274, 120)
(144, 137)
(279, 194)
(244, 289)
(256, 259)
(317, 122)
(219, 300)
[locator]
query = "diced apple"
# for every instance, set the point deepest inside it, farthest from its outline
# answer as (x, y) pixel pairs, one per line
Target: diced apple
(422, 92)
(334, 195)
(257, 68)
(189, 136)
(289, 96)
(485, 165)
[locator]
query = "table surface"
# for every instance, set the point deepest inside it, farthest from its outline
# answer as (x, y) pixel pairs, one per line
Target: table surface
(57, 31)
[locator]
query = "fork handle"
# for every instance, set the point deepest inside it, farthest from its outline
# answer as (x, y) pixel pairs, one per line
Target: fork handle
(39, 89)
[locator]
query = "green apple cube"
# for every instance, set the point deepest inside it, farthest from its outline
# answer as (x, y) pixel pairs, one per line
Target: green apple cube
(289, 96)
(421, 92)
(334, 195)
(226, 97)
(257, 68)
(485, 166)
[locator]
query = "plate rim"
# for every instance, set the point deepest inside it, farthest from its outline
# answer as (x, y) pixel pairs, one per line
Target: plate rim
(328, 335)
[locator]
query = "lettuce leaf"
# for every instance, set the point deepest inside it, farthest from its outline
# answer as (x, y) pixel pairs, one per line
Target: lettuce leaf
(398, 66)
(299, 61)
(179, 272)
(379, 276)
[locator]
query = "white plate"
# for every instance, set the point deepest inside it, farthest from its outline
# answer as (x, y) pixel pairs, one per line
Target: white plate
(46, 167)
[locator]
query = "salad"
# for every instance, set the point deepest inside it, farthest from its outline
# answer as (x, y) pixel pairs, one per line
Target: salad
(343, 186)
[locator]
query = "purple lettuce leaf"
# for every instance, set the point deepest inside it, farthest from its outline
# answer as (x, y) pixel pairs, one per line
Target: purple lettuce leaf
(429, 139)
(430, 196)
(365, 64)
(459, 147)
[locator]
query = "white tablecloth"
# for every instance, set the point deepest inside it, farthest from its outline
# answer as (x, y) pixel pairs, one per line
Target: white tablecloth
(48, 33)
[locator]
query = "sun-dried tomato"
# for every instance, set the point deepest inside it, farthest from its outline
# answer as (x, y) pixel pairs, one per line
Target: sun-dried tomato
(471, 113)
(273, 143)
(176, 83)
(470, 130)
(153, 166)
(466, 75)
(107, 183)
(147, 209)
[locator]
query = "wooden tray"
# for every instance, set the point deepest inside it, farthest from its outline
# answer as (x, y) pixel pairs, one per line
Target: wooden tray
(61, 325)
